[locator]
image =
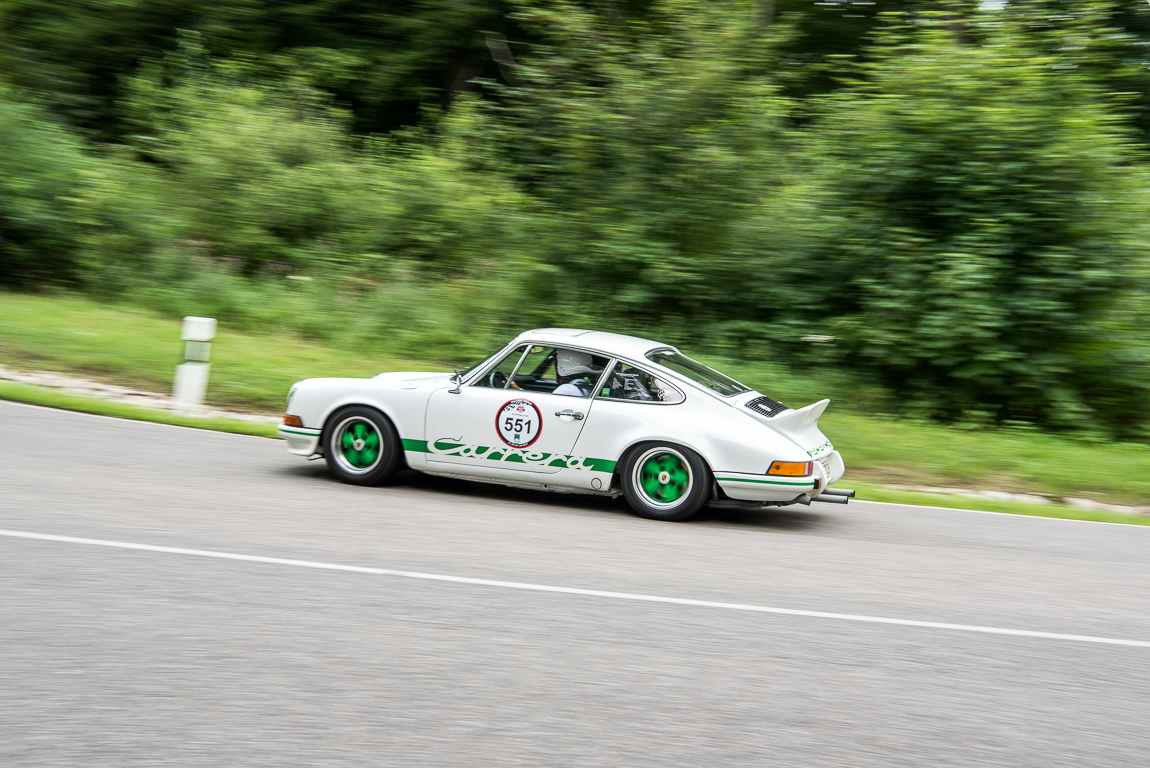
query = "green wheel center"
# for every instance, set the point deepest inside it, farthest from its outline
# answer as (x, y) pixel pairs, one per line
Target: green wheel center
(359, 444)
(664, 478)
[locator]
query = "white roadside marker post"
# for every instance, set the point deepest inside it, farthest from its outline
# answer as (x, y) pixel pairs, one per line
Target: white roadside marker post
(192, 375)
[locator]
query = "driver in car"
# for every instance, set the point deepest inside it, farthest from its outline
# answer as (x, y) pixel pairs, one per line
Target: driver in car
(576, 372)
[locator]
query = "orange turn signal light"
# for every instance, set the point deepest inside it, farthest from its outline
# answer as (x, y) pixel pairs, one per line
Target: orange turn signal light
(790, 468)
(292, 421)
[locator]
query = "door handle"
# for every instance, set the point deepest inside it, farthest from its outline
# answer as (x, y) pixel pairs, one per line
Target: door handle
(572, 414)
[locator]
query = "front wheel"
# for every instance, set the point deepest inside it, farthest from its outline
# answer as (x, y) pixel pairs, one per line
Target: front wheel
(665, 482)
(361, 446)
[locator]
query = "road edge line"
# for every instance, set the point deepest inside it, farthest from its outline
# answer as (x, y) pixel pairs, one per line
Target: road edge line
(524, 586)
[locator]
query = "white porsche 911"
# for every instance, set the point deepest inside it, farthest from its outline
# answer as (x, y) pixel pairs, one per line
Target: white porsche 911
(575, 411)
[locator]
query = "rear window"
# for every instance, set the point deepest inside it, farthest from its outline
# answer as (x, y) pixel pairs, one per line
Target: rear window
(697, 372)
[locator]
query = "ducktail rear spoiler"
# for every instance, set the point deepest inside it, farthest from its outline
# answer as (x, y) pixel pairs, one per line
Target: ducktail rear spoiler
(802, 425)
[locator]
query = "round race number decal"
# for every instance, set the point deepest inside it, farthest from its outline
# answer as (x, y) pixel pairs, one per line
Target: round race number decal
(519, 423)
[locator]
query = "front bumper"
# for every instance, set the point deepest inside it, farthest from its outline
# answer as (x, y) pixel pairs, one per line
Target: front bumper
(302, 441)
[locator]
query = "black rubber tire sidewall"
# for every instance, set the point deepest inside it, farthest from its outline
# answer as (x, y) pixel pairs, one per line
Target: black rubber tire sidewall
(391, 459)
(689, 506)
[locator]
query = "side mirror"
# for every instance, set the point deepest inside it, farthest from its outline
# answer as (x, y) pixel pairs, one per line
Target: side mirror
(456, 379)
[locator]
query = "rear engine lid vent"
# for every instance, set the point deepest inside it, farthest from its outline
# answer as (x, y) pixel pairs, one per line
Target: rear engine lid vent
(767, 406)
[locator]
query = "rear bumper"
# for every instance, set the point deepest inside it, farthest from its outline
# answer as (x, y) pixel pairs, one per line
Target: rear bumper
(302, 441)
(827, 469)
(763, 488)
(833, 467)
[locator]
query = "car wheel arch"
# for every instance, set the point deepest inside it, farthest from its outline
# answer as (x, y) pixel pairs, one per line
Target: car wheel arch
(344, 461)
(355, 403)
(695, 496)
(617, 474)
(669, 441)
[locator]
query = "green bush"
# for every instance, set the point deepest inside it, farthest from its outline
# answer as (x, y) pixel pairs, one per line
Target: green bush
(658, 149)
(980, 214)
(41, 170)
(70, 216)
(265, 174)
(958, 230)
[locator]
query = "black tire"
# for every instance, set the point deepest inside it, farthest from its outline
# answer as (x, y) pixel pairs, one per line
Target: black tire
(349, 438)
(664, 481)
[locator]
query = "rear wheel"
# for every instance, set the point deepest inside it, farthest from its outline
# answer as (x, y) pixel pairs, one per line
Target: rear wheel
(361, 446)
(665, 482)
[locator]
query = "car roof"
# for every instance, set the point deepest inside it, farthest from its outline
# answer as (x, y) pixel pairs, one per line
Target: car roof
(613, 344)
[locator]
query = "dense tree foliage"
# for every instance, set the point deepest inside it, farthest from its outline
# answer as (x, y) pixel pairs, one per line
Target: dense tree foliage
(382, 58)
(675, 111)
(946, 199)
(40, 169)
(981, 210)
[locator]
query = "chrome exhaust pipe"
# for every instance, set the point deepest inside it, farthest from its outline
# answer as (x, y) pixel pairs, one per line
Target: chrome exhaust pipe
(839, 492)
(833, 498)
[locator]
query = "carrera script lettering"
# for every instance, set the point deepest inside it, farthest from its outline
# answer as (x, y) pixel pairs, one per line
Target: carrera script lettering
(452, 446)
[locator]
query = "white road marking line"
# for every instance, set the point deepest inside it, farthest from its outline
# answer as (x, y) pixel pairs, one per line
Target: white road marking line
(576, 591)
(1000, 514)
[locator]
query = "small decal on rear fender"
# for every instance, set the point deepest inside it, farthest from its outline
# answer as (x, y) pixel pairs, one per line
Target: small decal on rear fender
(824, 447)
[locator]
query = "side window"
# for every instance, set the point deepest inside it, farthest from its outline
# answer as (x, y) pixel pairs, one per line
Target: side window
(498, 376)
(577, 372)
(538, 369)
(626, 382)
(558, 371)
(546, 369)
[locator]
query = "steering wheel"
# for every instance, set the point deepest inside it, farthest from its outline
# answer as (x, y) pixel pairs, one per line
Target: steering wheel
(497, 379)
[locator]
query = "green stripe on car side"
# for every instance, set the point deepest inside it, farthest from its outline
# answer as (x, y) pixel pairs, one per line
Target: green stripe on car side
(600, 465)
(595, 465)
(765, 482)
(297, 431)
(499, 454)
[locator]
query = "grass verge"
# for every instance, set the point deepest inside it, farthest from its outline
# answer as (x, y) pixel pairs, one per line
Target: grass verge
(129, 346)
(132, 347)
(887, 450)
(25, 393)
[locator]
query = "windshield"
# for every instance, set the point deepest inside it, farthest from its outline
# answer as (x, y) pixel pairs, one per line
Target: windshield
(697, 372)
(473, 366)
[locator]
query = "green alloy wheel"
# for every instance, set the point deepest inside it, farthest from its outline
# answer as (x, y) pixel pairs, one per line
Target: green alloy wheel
(665, 482)
(358, 443)
(663, 476)
(361, 446)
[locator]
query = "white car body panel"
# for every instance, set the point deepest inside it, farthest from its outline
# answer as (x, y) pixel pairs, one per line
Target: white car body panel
(466, 419)
(455, 434)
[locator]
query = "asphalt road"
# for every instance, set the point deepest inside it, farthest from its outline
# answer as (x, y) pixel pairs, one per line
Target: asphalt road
(126, 657)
